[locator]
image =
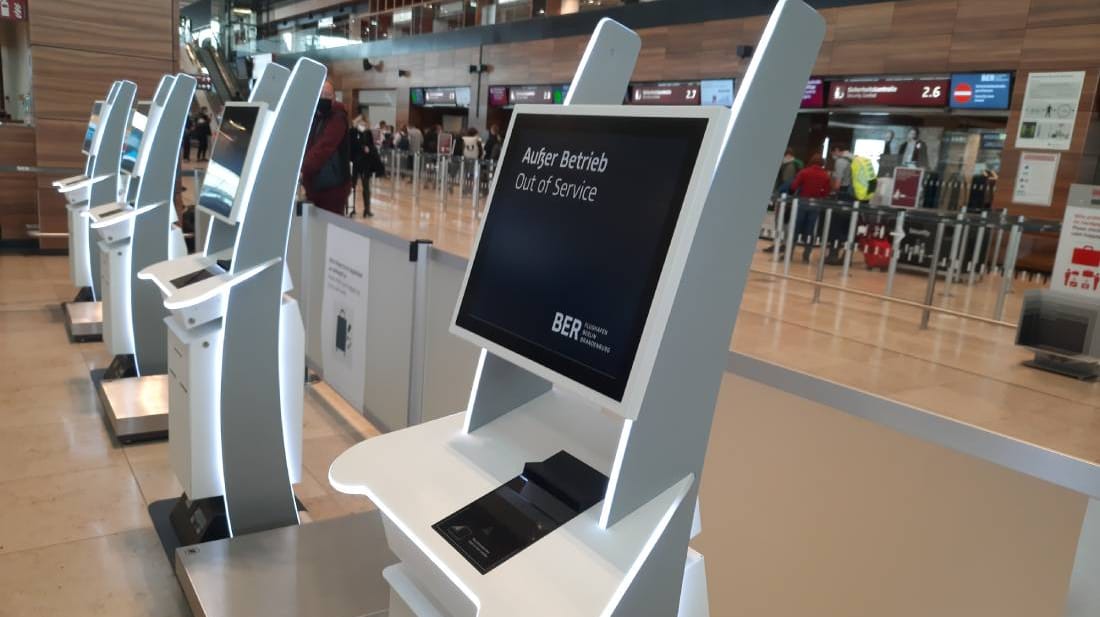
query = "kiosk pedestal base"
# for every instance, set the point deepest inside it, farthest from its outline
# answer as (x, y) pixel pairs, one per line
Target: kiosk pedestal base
(331, 568)
(136, 408)
(84, 321)
(1078, 369)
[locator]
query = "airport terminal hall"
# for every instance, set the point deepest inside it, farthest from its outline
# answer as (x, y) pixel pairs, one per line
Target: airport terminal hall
(550, 308)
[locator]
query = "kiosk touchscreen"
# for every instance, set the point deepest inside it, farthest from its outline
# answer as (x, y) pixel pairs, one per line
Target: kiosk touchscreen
(93, 123)
(573, 246)
(234, 145)
(132, 143)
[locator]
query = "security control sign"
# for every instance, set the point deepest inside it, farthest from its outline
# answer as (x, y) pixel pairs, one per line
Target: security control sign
(14, 10)
(892, 92)
(980, 90)
(576, 235)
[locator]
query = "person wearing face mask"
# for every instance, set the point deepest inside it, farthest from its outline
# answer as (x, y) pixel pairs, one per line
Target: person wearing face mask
(365, 161)
(326, 168)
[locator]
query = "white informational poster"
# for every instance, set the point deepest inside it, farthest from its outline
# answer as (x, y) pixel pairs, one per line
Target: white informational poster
(1077, 263)
(344, 313)
(1035, 178)
(1050, 110)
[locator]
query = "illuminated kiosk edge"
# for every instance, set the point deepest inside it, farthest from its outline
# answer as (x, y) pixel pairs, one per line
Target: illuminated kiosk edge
(629, 555)
(100, 186)
(236, 358)
(133, 234)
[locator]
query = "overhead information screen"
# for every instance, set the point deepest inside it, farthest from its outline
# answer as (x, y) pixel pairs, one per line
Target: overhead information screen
(576, 235)
(223, 174)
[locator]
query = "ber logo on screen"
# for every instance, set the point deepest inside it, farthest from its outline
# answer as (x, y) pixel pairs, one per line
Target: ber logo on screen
(569, 327)
(964, 93)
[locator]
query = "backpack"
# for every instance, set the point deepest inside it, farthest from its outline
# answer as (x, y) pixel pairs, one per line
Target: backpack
(863, 178)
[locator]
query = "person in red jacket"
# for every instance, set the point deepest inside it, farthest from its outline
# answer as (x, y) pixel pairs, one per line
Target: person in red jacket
(326, 168)
(813, 182)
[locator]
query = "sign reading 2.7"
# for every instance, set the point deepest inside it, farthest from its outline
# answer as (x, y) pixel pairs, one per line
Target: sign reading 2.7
(15, 10)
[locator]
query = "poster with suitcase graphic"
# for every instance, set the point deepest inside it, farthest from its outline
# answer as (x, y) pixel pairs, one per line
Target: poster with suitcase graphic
(1077, 264)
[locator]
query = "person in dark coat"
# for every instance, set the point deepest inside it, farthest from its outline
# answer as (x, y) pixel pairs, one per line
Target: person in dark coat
(188, 125)
(365, 162)
(202, 132)
(326, 168)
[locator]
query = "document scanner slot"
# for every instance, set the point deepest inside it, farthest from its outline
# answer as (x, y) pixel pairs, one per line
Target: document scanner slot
(502, 523)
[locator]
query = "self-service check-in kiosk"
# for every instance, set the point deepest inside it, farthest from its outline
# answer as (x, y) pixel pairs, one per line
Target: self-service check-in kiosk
(603, 290)
(107, 128)
(235, 340)
(133, 234)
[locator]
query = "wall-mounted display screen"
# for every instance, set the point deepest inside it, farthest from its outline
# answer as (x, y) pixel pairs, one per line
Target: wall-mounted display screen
(93, 124)
(498, 96)
(440, 97)
(981, 90)
(813, 97)
(717, 92)
(231, 144)
(890, 92)
(581, 217)
(666, 93)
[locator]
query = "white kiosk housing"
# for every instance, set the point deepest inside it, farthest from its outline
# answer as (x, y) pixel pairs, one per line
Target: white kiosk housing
(603, 289)
(235, 340)
(98, 185)
(135, 233)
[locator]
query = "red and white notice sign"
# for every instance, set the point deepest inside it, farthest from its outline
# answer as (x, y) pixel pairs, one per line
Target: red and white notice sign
(13, 9)
(1077, 263)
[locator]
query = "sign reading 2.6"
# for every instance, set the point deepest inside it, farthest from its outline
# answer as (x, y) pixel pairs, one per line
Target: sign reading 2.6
(931, 92)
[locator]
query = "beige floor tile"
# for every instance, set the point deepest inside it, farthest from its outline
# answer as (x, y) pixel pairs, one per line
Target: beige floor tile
(336, 505)
(319, 452)
(156, 479)
(46, 449)
(71, 401)
(49, 510)
(120, 575)
(311, 487)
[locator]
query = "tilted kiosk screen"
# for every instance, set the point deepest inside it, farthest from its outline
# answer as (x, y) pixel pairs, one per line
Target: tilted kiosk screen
(231, 146)
(577, 233)
(93, 124)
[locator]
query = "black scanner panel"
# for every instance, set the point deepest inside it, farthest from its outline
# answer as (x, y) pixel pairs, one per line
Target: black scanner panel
(502, 523)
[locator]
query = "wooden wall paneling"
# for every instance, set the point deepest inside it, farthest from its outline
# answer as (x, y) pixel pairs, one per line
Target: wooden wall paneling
(1061, 47)
(918, 53)
(66, 81)
(17, 145)
(985, 50)
(17, 205)
(914, 18)
(824, 64)
(864, 21)
(141, 28)
(59, 141)
(1063, 13)
(858, 57)
(986, 16)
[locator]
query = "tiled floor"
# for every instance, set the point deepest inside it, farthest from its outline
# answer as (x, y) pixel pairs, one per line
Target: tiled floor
(75, 535)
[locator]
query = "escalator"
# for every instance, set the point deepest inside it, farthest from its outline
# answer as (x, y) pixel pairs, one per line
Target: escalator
(208, 98)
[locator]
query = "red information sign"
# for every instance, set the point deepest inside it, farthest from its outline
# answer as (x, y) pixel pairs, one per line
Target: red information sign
(963, 93)
(666, 93)
(907, 187)
(15, 10)
(904, 92)
(813, 97)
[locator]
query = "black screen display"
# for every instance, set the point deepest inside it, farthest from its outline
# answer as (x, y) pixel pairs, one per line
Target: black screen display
(223, 174)
(575, 239)
(93, 125)
(1054, 330)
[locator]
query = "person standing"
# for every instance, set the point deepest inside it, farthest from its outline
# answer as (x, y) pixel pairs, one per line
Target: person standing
(812, 182)
(188, 125)
(202, 132)
(366, 162)
(471, 145)
(494, 144)
(842, 188)
(416, 140)
(326, 168)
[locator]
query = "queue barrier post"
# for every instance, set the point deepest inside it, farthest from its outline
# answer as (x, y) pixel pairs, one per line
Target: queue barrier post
(824, 251)
(933, 272)
(895, 252)
(1011, 254)
(850, 243)
(780, 215)
(791, 227)
(976, 255)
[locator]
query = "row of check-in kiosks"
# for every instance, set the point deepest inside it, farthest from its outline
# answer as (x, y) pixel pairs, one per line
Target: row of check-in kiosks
(603, 337)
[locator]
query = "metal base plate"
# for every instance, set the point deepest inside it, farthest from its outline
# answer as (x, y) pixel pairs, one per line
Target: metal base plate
(1077, 369)
(84, 321)
(135, 407)
(331, 568)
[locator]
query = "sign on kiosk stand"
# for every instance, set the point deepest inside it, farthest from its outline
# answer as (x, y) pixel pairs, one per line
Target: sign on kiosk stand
(1077, 263)
(907, 187)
